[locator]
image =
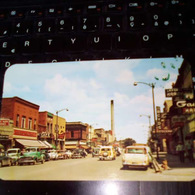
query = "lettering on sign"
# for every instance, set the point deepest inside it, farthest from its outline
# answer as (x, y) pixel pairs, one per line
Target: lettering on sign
(4, 122)
(184, 103)
(20, 132)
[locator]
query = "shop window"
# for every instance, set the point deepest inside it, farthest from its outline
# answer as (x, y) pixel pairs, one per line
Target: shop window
(35, 124)
(23, 124)
(72, 133)
(30, 123)
(17, 120)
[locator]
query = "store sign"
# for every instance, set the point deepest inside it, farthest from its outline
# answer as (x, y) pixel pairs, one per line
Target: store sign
(176, 92)
(3, 137)
(4, 122)
(178, 121)
(185, 103)
(159, 124)
(21, 133)
(188, 110)
(61, 136)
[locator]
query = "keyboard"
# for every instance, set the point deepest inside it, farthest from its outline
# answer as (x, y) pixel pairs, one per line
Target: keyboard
(48, 31)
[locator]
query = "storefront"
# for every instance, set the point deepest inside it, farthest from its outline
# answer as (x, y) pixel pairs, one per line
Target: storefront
(6, 133)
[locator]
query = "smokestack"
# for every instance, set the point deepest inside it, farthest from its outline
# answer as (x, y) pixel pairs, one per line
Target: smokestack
(112, 119)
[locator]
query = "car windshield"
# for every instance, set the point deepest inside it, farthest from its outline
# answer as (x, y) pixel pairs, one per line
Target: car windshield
(136, 151)
(12, 151)
(105, 149)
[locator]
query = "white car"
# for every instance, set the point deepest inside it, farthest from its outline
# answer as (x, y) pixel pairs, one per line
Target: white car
(53, 154)
(137, 156)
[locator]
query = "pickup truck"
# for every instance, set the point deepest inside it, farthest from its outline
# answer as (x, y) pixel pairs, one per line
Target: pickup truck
(32, 155)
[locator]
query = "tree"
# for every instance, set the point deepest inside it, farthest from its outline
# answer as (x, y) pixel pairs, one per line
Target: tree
(129, 142)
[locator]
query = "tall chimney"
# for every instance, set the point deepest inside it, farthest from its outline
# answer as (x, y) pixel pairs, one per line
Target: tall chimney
(112, 119)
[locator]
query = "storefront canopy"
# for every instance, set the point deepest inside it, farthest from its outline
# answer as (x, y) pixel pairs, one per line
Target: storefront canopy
(32, 143)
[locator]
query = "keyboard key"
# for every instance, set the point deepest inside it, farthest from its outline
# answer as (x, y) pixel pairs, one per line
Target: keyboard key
(44, 26)
(114, 7)
(113, 23)
(75, 43)
(29, 45)
(23, 27)
(8, 47)
(51, 44)
(94, 8)
(127, 41)
(5, 29)
(67, 24)
(100, 42)
(90, 23)
(137, 21)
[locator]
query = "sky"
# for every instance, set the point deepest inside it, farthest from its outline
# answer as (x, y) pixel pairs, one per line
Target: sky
(87, 88)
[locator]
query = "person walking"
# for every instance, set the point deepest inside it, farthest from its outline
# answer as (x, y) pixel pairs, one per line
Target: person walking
(189, 149)
(180, 149)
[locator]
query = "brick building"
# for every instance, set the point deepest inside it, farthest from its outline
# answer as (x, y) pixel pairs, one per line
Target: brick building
(24, 115)
(76, 135)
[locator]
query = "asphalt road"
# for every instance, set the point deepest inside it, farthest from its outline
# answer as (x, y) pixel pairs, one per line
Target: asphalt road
(91, 169)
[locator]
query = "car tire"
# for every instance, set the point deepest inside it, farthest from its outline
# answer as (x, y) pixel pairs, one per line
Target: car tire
(125, 167)
(0, 164)
(10, 163)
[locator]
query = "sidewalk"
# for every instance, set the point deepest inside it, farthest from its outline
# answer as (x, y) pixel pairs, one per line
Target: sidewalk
(174, 162)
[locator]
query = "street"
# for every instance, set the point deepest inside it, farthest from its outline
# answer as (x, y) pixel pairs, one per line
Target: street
(91, 169)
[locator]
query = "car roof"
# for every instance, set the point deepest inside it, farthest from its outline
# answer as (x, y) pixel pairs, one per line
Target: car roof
(137, 147)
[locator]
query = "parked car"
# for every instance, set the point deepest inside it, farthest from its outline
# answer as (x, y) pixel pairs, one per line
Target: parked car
(137, 156)
(69, 154)
(46, 155)
(79, 153)
(31, 155)
(14, 153)
(53, 154)
(5, 160)
(95, 152)
(107, 153)
(62, 154)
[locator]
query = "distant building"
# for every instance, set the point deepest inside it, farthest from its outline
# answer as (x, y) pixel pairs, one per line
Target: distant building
(76, 135)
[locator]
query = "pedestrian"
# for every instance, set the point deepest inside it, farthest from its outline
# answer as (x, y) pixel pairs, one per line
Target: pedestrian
(189, 149)
(180, 149)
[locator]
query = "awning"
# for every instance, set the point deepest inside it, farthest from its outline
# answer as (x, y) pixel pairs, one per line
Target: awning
(31, 143)
(70, 147)
(48, 145)
(1, 146)
(84, 147)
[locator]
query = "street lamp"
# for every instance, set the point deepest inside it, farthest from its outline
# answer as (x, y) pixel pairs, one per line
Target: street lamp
(149, 117)
(57, 131)
(152, 85)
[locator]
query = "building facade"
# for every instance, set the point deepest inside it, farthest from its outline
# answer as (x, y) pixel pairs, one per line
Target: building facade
(76, 135)
(24, 116)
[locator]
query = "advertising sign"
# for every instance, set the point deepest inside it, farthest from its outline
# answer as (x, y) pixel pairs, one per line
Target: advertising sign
(177, 92)
(4, 122)
(159, 124)
(22, 133)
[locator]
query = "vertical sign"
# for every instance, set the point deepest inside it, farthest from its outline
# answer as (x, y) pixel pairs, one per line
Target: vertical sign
(159, 125)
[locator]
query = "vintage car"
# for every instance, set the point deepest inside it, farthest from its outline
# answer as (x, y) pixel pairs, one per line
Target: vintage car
(95, 152)
(46, 155)
(53, 154)
(79, 153)
(32, 155)
(5, 160)
(69, 154)
(62, 154)
(137, 157)
(14, 153)
(107, 153)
